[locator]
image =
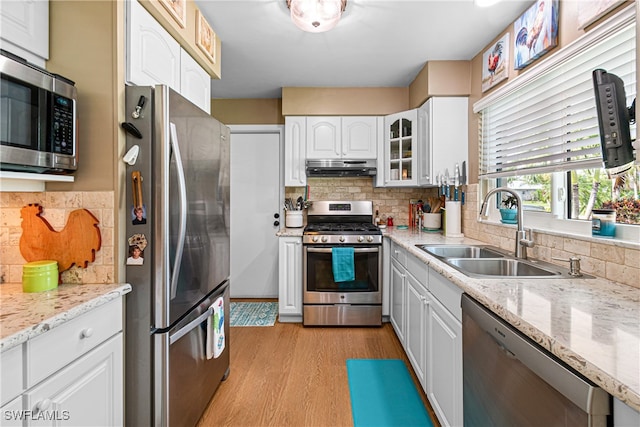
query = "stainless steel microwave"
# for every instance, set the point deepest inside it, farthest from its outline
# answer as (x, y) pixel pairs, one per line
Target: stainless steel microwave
(38, 127)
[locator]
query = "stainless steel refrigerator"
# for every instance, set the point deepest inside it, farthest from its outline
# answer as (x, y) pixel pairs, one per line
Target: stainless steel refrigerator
(177, 323)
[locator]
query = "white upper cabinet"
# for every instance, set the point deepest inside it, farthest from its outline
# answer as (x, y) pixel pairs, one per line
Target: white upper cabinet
(359, 137)
(195, 82)
(399, 164)
(295, 174)
(423, 143)
(25, 29)
(341, 137)
(153, 56)
(443, 137)
(324, 139)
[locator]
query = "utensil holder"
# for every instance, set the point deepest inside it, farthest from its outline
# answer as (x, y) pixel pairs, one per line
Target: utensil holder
(432, 221)
(293, 219)
(453, 219)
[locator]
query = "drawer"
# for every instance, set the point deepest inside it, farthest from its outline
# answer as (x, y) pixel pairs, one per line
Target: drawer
(11, 384)
(418, 269)
(398, 253)
(57, 348)
(446, 292)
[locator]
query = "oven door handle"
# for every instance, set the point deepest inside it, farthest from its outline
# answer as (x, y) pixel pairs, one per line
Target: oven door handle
(356, 250)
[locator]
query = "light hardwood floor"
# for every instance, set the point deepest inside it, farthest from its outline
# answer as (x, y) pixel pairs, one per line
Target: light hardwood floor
(291, 375)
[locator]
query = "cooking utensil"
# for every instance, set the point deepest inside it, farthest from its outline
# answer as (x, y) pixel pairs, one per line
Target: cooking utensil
(463, 173)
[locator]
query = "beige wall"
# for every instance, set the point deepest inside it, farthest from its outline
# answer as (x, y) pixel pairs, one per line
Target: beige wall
(257, 111)
(92, 54)
(317, 101)
(440, 78)
(88, 54)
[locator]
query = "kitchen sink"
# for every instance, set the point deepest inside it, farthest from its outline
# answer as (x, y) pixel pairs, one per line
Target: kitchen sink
(462, 251)
(503, 267)
(484, 261)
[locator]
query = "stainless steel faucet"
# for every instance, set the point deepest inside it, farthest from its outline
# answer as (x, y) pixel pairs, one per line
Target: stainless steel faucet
(522, 242)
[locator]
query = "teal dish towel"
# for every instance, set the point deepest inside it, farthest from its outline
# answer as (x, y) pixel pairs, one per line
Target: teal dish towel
(342, 263)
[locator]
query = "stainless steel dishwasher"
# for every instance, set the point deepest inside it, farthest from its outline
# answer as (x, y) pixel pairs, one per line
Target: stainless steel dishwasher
(511, 381)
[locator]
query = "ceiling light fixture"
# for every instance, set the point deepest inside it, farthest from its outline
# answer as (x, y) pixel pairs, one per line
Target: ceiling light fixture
(316, 16)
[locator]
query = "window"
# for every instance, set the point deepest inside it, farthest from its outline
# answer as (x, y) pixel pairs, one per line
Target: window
(539, 134)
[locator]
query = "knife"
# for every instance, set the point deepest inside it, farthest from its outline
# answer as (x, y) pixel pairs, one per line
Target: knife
(463, 173)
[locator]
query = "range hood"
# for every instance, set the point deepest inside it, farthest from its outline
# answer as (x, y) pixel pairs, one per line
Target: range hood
(341, 168)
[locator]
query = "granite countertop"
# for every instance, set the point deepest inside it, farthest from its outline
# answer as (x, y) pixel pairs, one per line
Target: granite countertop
(24, 316)
(592, 324)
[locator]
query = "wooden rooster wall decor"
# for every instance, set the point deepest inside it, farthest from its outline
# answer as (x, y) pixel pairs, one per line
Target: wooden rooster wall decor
(76, 244)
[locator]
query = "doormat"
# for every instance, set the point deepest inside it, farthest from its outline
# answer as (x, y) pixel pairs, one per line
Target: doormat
(253, 313)
(384, 394)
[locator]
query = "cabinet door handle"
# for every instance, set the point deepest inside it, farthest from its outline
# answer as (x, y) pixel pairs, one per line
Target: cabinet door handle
(136, 189)
(86, 333)
(43, 405)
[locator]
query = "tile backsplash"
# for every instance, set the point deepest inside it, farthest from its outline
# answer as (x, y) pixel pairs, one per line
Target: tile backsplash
(56, 207)
(392, 202)
(617, 262)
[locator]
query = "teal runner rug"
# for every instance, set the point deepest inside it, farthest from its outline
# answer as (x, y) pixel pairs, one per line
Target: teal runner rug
(383, 394)
(253, 313)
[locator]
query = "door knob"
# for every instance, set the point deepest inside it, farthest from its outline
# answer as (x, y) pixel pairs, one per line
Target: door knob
(276, 215)
(276, 223)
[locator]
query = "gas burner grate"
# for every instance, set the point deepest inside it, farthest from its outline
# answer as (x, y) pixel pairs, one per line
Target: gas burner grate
(336, 228)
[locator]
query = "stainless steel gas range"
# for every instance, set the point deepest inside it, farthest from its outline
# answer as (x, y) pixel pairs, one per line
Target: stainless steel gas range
(341, 235)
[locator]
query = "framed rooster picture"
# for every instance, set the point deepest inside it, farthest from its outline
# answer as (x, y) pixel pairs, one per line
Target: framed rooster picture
(535, 32)
(495, 62)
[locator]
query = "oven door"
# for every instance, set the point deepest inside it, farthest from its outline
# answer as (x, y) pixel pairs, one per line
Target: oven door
(320, 288)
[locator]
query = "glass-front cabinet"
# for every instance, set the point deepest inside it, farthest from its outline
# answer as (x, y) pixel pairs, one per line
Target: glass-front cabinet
(400, 149)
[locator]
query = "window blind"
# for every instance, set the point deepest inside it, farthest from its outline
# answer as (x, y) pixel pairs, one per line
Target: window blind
(550, 123)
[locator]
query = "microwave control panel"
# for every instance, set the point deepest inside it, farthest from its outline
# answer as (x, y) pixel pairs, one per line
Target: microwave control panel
(62, 126)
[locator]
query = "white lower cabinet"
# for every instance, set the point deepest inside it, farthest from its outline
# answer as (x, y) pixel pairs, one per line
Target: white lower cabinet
(444, 364)
(88, 392)
(426, 316)
(397, 299)
(72, 375)
(12, 414)
(290, 279)
(417, 324)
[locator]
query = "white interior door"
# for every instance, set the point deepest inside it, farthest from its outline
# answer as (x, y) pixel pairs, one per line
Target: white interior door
(256, 193)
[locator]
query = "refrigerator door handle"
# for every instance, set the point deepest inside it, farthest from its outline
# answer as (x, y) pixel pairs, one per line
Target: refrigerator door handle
(182, 193)
(190, 326)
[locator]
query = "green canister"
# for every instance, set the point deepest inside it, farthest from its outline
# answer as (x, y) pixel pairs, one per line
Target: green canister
(39, 276)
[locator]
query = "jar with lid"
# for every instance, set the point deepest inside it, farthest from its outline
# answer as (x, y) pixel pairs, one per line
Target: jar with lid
(603, 222)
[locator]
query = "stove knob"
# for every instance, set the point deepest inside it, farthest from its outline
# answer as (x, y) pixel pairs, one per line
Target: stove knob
(369, 238)
(341, 238)
(314, 239)
(324, 239)
(360, 239)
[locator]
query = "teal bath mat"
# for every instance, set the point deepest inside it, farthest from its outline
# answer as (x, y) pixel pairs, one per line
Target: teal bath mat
(253, 313)
(383, 394)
